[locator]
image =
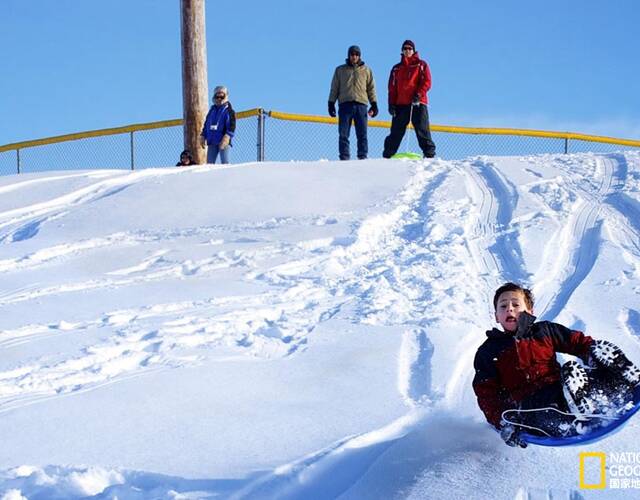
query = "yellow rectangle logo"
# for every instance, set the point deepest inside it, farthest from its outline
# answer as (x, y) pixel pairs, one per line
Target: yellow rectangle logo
(603, 465)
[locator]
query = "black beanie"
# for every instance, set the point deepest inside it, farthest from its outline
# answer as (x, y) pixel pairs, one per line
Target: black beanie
(354, 49)
(410, 44)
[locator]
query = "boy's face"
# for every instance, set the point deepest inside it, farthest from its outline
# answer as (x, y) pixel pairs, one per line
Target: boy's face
(510, 305)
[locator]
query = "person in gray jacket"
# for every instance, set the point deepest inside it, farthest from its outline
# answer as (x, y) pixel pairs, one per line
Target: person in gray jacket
(353, 87)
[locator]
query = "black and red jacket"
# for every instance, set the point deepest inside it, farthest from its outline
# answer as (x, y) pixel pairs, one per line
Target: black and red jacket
(410, 77)
(512, 366)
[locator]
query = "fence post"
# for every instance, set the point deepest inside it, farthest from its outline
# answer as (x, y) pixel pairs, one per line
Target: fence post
(18, 155)
(260, 134)
(131, 144)
(566, 145)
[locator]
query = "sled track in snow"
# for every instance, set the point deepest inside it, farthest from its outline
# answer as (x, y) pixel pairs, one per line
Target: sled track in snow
(24, 223)
(492, 204)
(496, 199)
(575, 248)
(623, 211)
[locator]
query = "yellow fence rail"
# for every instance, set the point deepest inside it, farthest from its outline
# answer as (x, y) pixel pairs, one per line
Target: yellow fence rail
(469, 130)
(278, 136)
(110, 131)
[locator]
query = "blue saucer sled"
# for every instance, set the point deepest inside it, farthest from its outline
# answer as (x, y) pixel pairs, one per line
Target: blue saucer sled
(596, 433)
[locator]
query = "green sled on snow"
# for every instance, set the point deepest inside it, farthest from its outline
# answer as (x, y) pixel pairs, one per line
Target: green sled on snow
(407, 156)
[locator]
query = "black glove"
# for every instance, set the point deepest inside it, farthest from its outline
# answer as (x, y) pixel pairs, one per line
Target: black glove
(332, 109)
(392, 109)
(416, 100)
(511, 436)
(373, 110)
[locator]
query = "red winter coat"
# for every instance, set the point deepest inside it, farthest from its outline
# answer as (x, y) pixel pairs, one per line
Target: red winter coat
(409, 77)
(511, 367)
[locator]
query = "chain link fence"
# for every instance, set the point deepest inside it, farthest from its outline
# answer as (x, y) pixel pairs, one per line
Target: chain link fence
(275, 136)
(294, 140)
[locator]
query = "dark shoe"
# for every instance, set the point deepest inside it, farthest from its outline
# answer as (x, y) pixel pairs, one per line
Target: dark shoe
(430, 155)
(610, 357)
(575, 385)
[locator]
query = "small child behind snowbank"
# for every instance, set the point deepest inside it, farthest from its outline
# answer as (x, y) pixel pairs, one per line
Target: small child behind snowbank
(516, 369)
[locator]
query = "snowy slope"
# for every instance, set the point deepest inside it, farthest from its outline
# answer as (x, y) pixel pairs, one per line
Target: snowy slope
(296, 330)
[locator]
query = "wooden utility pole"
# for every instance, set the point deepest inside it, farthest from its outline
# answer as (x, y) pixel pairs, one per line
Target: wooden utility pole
(195, 101)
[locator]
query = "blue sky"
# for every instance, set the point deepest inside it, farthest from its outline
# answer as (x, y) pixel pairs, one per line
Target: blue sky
(77, 65)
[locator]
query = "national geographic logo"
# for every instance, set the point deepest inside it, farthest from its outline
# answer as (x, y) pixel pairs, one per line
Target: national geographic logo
(623, 470)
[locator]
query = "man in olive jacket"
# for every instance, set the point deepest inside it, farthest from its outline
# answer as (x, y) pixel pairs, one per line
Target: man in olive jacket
(353, 87)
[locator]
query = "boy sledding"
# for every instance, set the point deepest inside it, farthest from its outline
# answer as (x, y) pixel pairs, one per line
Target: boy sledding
(522, 389)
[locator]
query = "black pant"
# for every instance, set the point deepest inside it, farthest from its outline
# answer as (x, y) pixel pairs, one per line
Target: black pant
(530, 411)
(420, 119)
(356, 112)
(603, 388)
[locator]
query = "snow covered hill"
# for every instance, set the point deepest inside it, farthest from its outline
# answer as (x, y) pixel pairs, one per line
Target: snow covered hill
(297, 330)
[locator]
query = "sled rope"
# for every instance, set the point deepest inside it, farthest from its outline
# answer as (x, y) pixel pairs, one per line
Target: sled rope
(577, 417)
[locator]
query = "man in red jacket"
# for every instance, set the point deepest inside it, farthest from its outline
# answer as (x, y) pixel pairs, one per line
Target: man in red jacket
(409, 82)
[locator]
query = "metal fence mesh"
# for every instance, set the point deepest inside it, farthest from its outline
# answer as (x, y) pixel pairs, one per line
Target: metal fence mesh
(457, 146)
(110, 151)
(595, 147)
(289, 140)
(284, 140)
(159, 147)
(8, 162)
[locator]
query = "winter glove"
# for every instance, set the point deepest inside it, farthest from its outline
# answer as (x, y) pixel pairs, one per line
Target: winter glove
(416, 100)
(392, 109)
(332, 109)
(511, 436)
(224, 142)
(203, 142)
(373, 110)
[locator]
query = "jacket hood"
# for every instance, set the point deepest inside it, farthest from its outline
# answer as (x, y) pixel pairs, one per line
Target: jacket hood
(524, 322)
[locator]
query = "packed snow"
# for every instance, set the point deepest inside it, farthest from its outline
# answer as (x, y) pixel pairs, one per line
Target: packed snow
(297, 330)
